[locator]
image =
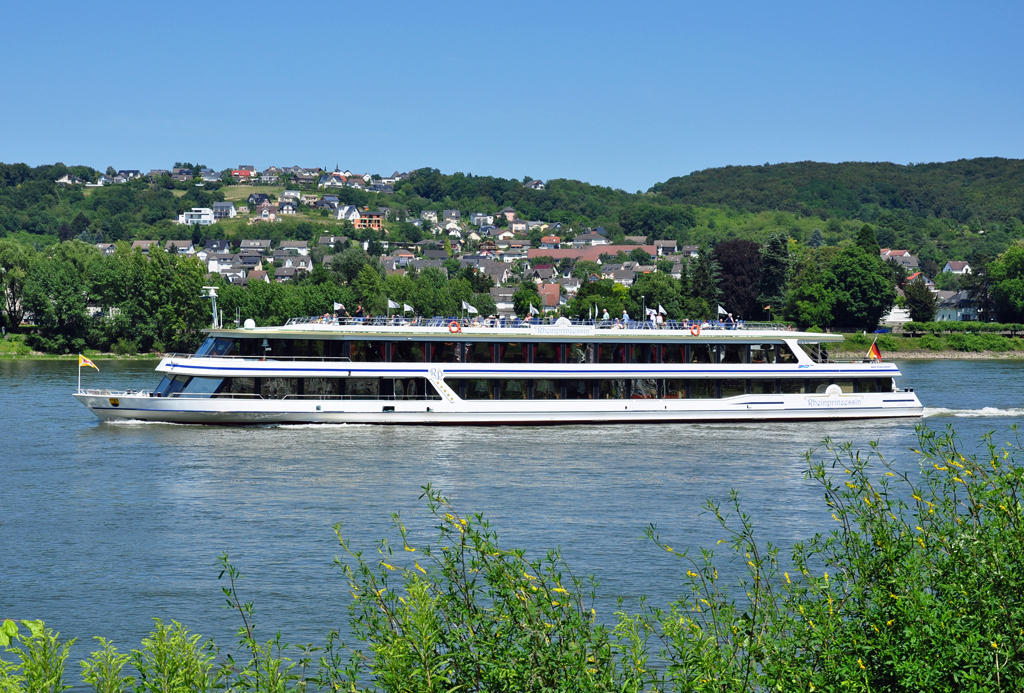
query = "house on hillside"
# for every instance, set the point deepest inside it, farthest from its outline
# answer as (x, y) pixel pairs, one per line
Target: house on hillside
(956, 306)
(903, 257)
(508, 213)
(590, 239)
(289, 206)
(957, 267)
(197, 216)
(257, 246)
(481, 219)
(535, 185)
(68, 179)
(256, 199)
(299, 247)
(144, 246)
(429, 215)
(348, 213)
(224, 210)
(551, 242)
(180, 247)
(370, 220)
(452, 215)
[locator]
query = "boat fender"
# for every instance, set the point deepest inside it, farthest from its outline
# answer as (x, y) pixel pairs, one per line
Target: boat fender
(454, 327)
(695, 330)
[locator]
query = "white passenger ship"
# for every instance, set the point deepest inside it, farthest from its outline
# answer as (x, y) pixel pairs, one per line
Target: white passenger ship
(445, 371)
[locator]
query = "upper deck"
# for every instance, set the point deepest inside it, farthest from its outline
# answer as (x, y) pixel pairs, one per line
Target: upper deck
(460, 329)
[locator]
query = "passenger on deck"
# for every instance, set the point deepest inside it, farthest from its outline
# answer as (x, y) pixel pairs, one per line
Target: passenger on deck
(360, 313)
(606, 316)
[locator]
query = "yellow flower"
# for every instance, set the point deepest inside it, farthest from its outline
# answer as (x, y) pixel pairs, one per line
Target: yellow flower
(528, 576)
(889, 622)
(787, 579)
(419, 568)
(560, 590)
(994, 645)
(387, 565)
(409, 548)
(668, 548)
(916, 497)
(861, 663)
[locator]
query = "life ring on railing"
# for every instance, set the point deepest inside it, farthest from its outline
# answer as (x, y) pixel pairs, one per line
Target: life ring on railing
(695, 330)
(454, 327)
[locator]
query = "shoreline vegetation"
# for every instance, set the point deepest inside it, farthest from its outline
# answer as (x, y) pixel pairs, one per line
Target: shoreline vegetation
(915, 586)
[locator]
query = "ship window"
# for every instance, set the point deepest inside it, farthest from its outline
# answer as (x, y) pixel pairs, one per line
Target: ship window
(479, 389)
(733, 387)
(611, 353)
(444, 352)
(762, 386)
(734, 353)
(703, 389)
(362, 387)
(366, 352)
(546, 352)
(885, 384)
(579, 389)
(547, 389)
(792, 386)
(703, 353)
(512, 389)
(279, 388)
(817, 386)
(578, 353)
(675, 389)
(673, 353)
(407, 352)
(480, 352)
(512, 353)
(321, 387)
(612, 389)
(205, 347)
(867, 385)
(762, 353)
(203, 386)
(845, 385)
(785, 354)
(236, 386)
(643, 353)
(644, 389)
(175, 385)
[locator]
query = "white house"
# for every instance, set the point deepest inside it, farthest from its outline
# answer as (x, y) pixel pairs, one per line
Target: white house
(347, 213)
(481, 219)
(300, 247)
(224, 210)
(957, 307)
(203, 216)
(957, 267)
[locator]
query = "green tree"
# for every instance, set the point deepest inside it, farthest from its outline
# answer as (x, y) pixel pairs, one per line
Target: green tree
(369, 290)
(652, 290)
(525, 296)
(863, 289)
(921, 302)
(15, 261)
(56, 294)
(866, 240)
(1006, 274)
(703, 284)
(811, 299)
(817, 239)
(775, 268)
(584, 268)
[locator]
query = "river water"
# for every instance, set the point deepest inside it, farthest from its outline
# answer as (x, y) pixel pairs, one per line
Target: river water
(105, 526)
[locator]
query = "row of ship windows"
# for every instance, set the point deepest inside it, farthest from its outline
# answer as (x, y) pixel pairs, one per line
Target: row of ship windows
(708, 388)
(376, 351)
(471, 388)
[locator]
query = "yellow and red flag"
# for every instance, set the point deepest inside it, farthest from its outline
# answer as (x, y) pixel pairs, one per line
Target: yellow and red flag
(82, 361)
(873, 353)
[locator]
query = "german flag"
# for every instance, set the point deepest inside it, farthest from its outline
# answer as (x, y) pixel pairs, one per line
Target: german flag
(873, 353)
(82, 361)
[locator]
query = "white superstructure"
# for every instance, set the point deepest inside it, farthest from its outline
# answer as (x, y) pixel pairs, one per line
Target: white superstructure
(444, 371)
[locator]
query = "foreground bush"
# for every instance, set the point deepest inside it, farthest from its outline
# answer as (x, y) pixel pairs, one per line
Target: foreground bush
(916, 588)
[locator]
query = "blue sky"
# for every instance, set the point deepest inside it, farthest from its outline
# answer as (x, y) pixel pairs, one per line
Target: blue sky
(618, 94)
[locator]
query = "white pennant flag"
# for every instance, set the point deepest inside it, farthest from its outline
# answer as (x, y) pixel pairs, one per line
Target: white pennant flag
(338, 306)
(534, 311)
(407, 308)
(392, 304)
(662, 310)
(468, 308)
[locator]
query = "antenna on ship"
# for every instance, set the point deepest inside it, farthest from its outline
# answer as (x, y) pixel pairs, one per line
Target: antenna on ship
(210, 292)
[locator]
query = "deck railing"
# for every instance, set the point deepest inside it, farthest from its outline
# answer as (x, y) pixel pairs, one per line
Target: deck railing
(522, 323)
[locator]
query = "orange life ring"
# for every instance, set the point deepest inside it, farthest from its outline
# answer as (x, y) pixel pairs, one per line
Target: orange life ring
(695, 330)
(454, 327)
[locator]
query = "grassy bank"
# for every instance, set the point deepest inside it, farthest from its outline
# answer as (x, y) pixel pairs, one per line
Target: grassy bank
(915, 586)
(13, 347)
(929, 346)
